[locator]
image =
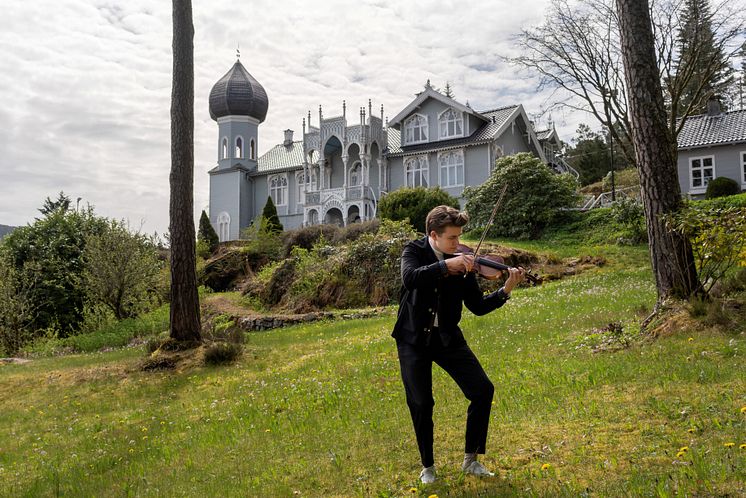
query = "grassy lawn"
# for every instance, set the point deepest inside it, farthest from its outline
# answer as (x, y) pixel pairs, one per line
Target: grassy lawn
(319, 410)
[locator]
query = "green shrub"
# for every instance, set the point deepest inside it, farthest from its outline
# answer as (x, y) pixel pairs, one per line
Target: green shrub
(355, 230)
(629, 216)
(716, 236)
(269, 213)
(307, 237)
(221, 353)
(722, 186)
(413, 204)
(533, 199)
(207, 236)
(731, 201)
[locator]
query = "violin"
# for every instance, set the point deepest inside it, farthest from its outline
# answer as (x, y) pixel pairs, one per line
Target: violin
(490, 266)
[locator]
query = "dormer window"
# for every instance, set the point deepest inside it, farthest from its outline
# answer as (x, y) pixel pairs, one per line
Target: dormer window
(415, 129)
(451, 124)
(224, 152)
(239, 148)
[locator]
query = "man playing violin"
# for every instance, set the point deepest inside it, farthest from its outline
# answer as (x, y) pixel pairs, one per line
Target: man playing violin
(435, 283)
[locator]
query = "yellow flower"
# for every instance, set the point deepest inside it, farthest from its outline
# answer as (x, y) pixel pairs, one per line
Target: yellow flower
(729, 445)
(433, 496)
(743, 409)
(546, 466)
(690, 339)
(680, 454)
(743, 446)
(413, 490)
(684, 449)
(691, 430)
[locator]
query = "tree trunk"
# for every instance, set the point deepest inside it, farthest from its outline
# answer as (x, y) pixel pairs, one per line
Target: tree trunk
(655, 151)
(185, 320)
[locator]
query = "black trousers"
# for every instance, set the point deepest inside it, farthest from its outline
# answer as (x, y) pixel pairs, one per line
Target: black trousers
(464, 368)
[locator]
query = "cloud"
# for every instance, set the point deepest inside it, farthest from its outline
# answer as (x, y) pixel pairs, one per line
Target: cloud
(85, 93)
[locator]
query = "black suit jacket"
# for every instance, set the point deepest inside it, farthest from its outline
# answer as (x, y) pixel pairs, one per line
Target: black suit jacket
(427, 289)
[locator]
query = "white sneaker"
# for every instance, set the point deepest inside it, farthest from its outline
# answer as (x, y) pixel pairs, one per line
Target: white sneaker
(427, 476)
(477, 469)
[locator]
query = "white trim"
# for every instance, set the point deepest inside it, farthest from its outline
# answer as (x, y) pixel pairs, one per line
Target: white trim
(426, 128)
(702, 167)
(447, 167)
(430, 93)
(742, 156)
(456, 135)
(300, 191)
(223, 221)
(282, 188)
(360, 174)
(420, 168)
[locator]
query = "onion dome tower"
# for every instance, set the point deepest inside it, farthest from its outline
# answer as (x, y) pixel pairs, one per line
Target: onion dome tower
(238, 103)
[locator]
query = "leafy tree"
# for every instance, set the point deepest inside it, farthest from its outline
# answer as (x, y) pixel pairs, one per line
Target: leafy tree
(184, 315)
(49, 255)
(269, 213)
(121, 270)
(532, 201)
(589, 156)
(414, 204)
(207, 232)
(702, 60)
(655, 147)
(16, 308)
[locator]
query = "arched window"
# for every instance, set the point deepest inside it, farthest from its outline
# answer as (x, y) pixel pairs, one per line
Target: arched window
(313, 217)
(356, 172)
(300, 198)
(252, 149)
(451, 124)
(415, 129)
(278, 189)
(224, 152)
(416, 171)
(451, 168)
(239, 148)
(224, 226)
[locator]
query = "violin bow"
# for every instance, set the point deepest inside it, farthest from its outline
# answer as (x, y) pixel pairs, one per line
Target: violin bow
(492, 218)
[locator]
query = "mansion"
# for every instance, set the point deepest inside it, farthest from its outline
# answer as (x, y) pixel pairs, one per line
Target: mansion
(342, 165)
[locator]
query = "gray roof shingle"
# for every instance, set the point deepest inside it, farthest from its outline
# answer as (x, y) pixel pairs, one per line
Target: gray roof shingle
(704, 130)
(483, 133)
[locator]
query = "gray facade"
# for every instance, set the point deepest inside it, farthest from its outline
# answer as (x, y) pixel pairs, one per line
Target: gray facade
(712, 145)
(344, 164)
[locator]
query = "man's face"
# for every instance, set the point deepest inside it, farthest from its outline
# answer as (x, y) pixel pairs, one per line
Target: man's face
(448, 240)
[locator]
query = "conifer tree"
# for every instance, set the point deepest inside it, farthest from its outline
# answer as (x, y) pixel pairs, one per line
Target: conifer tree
(207, 232)
(702, 60)
(270, 215)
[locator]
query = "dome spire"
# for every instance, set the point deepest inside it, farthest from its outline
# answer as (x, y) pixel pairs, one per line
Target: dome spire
(238, 93)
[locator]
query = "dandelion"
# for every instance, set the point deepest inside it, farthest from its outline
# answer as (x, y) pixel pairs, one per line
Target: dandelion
(144, 437)
(684, 449)
(433, 496)
(413, 490)
(691, 430)
(743, 446)
(729, 445)
(132, 450)
(267, 430)
(546, 466)
(690, 339)
(743, 409)
(680, 454)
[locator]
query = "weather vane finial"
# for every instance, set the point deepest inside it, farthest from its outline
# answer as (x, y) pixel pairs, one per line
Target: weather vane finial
(238, 51)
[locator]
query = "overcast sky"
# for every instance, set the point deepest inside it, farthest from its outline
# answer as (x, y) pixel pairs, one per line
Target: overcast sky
(85, 85)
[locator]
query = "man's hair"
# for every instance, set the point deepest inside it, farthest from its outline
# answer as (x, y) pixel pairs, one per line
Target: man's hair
(443, 216)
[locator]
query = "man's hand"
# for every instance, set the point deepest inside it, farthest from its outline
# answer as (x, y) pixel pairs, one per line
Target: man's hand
(517, 275)
(461, 264)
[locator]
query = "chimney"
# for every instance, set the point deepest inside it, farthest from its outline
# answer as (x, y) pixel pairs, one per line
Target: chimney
(713, 106)
(288, 138)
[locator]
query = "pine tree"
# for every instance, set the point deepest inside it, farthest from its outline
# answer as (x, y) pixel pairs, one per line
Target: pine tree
(207, 232)
(448, 91)
(702, 61)
(270, 215)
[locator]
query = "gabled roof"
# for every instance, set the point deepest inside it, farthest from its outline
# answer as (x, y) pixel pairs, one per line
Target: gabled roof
(705, 130)
(497, 121)
(430, 93)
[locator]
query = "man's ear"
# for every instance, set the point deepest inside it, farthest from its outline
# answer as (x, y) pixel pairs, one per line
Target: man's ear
(433, 233)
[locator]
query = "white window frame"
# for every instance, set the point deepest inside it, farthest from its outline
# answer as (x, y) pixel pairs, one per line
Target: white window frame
(458, 117)
(417, 167)
(698, 189)
(224, 226)
(743, 168)
(278, 187)
(420, 128)
(238, 148)
(300, 189)
(448, 163)
(224, 148)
